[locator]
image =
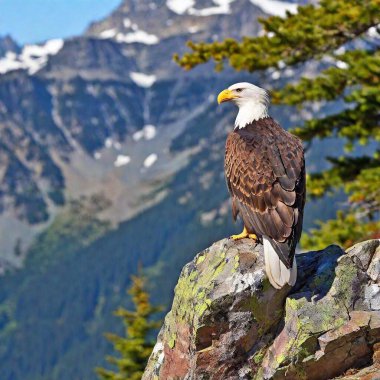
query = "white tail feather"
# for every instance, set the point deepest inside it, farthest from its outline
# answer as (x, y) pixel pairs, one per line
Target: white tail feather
(279, 275)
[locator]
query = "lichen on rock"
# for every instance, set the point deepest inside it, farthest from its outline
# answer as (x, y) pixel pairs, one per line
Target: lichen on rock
(227, 322)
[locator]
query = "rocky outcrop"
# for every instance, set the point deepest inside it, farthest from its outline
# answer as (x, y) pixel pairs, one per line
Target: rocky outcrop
(8, 44)
(227, 322)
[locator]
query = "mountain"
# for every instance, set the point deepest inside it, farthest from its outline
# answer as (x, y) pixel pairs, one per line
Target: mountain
(99, 113)
(112, 156)
(8, 45)
(69, 111)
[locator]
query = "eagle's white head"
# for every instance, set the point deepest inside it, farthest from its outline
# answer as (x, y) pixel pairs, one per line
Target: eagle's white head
(253, 102)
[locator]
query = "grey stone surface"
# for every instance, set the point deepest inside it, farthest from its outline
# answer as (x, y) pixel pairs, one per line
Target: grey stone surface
(227, 322)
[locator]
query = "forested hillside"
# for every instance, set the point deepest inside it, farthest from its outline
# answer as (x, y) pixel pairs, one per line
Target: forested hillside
(112, 157)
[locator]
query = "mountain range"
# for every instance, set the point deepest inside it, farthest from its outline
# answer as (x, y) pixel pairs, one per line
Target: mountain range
(111, 156)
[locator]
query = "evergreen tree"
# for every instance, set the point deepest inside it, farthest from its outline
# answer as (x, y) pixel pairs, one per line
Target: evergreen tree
(135, 347)
(346, 33)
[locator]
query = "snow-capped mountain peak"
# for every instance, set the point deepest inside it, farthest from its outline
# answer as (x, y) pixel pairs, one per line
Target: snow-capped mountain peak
(31, 58)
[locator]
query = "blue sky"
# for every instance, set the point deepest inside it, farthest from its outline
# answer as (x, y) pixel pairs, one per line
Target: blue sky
(29, 21)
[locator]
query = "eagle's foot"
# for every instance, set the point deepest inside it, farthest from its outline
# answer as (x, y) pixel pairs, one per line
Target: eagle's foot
(243, 235)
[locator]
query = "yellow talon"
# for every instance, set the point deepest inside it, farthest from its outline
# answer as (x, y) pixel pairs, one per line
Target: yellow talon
(243, 235)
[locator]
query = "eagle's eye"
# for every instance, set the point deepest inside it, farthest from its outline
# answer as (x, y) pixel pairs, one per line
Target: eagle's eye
(239, 90)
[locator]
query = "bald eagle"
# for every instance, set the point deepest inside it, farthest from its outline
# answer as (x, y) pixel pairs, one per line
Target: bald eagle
(265, 174)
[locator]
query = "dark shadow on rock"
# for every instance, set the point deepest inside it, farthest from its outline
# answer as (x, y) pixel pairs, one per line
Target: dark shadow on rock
(316, 272)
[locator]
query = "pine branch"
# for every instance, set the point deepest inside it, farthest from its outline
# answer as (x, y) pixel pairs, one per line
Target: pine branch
(312, 32)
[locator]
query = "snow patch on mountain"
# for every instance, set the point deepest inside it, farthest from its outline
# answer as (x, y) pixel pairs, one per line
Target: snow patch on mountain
(108, 143)
(276, 75)
(340, 50)
(180, 6)
(143, 80)
(135, 36)
(10, 63)
(31, 58)
(374, 31)
(275, 7)
(109, 33)
(271, 7)
(150, 160)
(122, 160)
(193, 29)
(147, 133)
(139, 36)
(222, 7)
(127, 23)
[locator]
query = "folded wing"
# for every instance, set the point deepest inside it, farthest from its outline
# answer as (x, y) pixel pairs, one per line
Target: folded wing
(265, 175)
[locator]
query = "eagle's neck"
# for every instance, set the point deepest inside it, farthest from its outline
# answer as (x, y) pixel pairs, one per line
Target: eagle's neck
(249, 112)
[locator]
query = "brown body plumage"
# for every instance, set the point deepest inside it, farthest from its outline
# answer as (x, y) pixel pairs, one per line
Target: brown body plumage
(265, 173)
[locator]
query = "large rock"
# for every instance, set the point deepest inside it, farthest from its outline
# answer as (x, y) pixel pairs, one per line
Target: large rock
(227, 322)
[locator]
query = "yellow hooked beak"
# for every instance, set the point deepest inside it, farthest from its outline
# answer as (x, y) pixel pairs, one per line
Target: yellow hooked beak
(225, 96)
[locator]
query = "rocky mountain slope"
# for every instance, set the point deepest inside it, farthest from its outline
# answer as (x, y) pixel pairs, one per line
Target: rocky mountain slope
(8, 45)
(228, 322)
(111, 156)
(100, 113)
